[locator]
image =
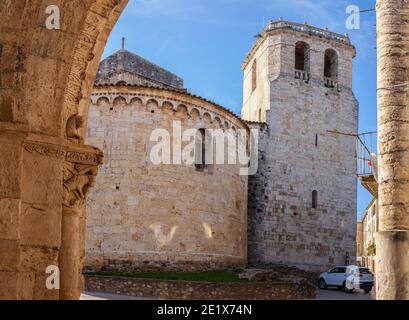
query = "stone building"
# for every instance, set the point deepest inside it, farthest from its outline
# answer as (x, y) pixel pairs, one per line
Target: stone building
(369, 228)
(47, 78)
(302, 201)
(148, 216)
(359, 242)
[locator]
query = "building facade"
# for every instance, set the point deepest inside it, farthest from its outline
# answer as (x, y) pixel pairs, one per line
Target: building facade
(302, 205)
(369, 229)
(298, 210)
(166, 215)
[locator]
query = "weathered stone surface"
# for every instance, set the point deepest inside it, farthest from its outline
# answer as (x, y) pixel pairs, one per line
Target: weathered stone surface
(126, 67)
(44, 233)
(152, 217)
(393, 114)
(45, 83)
(10, 164)
(9, 218)
(45, 77)
(9, 255)
(200, 290)
(392, 256)
(300, 150)
(9, 285)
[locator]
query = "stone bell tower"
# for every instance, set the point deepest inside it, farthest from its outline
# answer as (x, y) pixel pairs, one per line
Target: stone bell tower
(302, 201)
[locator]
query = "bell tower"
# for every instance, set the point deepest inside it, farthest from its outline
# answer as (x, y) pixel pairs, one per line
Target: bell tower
(302, 205)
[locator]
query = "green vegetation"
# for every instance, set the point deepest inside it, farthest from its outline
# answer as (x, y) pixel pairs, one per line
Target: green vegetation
(208, 276)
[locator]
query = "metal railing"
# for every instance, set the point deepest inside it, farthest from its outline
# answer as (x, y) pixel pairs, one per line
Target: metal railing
(324, 33)
(366, 154)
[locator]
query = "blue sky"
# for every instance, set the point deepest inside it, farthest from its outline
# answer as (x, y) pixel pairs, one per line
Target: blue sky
(205, 42)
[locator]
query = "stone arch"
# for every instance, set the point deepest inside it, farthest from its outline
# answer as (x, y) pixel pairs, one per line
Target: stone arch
(100, 101)
(152, 105)
(331, 64)
(136, 101)
(195, 114)
(182, 109)
(207, 117)
(51, 83)
(218, 121)
(119, 101)
(302, 56)
(167, 106)
(100, 19)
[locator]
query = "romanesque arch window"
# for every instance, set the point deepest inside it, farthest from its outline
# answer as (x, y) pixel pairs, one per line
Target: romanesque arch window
(200, 149)
(302, 56)
(315, 199)
(254, 75)
(331, 64)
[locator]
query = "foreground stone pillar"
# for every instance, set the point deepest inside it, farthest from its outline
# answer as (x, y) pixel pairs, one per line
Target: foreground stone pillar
(44, 182)
(393, 263)
(393, 116)
(80, 170)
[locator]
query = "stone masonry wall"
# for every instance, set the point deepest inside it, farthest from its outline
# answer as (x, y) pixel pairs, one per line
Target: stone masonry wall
(284, 227)
(143, 216)
(160, 289)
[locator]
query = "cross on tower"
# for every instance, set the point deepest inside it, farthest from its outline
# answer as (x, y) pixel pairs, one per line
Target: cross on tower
(123, 43)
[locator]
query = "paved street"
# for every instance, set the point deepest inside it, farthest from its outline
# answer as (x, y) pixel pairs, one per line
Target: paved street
(330, 294)
(334, 294)
(106, 296)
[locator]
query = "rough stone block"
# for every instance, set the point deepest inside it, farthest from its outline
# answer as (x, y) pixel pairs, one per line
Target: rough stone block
(9, 255)
(10, 166)
(40, 226)
(42, 180)
(9, 285)
(9, 218)
(37, 259)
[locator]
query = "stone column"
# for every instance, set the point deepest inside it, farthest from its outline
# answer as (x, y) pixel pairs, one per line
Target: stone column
(80, 171)
(392, 241)
(14, 284)
(44, 182)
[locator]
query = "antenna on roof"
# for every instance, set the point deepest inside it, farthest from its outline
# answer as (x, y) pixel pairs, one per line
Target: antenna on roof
(123, 43)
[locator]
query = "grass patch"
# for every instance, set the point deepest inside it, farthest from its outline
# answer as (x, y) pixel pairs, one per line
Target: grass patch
(207, 276)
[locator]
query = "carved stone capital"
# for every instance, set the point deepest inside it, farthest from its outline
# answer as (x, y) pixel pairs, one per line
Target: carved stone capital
(45, 149)
(80, 171)
(84, 158)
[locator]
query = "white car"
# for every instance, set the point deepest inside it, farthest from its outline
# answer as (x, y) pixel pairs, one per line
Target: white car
(347, 278)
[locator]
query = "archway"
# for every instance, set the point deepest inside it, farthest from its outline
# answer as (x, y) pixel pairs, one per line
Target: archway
(34, 145)
(45, 169)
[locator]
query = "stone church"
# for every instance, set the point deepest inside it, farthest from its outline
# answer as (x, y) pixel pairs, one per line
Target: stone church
(299, 209)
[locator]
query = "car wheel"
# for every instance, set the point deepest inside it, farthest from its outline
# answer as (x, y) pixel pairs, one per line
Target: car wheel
(346, 290)
(322, 284)
(368, 290)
